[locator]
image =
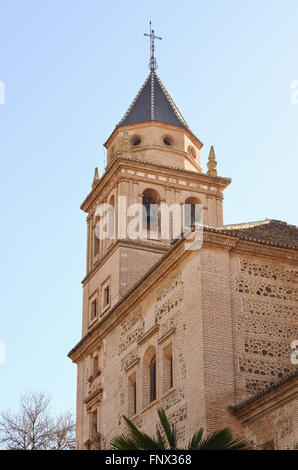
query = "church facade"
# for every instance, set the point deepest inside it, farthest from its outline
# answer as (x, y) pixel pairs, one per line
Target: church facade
(209, 334)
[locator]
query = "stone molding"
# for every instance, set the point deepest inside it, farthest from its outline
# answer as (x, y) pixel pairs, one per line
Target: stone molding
(148, 334)
(93, 398)
(269, 401)
(121, 163)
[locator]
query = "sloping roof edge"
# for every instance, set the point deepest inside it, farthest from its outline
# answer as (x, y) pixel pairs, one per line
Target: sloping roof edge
(265, 391)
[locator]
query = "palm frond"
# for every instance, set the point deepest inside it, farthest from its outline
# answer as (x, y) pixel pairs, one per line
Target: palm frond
(195, 442)
(161, 441)
(123, 443)
(139, 439)
(223, 440)
(170, 432)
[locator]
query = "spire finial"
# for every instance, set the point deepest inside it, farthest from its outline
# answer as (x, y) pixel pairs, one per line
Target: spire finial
(152, 63)
(212, 163)
(95, 179)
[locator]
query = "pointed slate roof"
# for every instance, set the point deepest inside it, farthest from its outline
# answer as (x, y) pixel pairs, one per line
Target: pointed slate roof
(153, 103)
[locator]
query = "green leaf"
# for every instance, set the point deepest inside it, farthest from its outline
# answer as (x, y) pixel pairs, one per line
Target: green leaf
(140, 439)
(194, 443)
(223, 440)
(137, 440)
(123, 443)
(169, 432)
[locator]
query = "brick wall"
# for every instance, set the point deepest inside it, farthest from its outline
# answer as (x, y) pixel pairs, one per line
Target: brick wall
(208, 310)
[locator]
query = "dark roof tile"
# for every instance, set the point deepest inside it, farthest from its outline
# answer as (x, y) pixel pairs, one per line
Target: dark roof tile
(274, 232)
(153, 103)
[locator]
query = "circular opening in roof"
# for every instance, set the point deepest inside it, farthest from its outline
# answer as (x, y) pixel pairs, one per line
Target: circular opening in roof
(167, 141)
(136, 140)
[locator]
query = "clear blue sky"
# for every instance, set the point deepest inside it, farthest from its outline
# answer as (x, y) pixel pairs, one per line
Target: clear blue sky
(71, 69)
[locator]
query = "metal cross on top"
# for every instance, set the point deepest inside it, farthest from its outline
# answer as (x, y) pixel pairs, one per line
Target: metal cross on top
(152, 63)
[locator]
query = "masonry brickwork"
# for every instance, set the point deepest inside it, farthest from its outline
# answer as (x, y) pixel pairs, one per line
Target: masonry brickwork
(220, 321)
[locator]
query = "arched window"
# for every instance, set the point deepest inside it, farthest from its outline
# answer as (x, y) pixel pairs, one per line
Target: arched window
(191, 211)
(153, 379)
(150, 209)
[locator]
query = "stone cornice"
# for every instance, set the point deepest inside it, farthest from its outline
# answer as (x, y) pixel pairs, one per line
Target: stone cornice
(93, 398)
(166, 335)
(101, 185)
(222, 241)
(121, 163)
(148, 334)
(284, 393)
(133, 364)
(144, 246)
(248, 248)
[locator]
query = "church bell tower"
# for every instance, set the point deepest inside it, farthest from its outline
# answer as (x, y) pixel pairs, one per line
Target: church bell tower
(152, 157)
